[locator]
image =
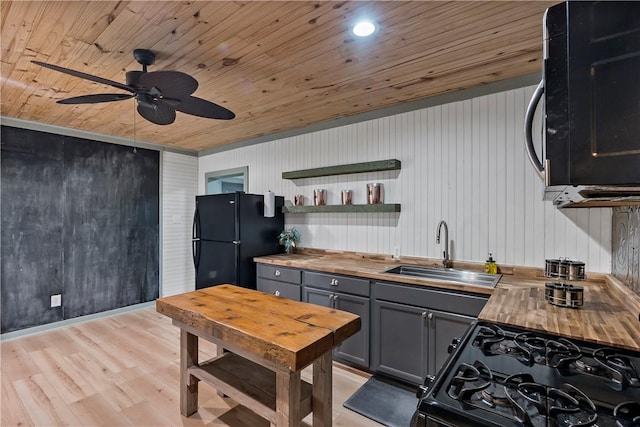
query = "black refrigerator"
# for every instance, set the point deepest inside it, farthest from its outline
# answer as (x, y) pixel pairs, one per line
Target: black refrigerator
(229, 230)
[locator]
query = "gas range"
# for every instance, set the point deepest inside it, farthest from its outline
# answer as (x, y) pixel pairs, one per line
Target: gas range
(507, 376)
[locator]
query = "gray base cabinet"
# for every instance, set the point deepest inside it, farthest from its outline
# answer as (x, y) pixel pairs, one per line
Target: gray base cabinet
(409, 335)
(326, 290)
(443, 328)
(406, 329)
(280, 281)
(400, 340)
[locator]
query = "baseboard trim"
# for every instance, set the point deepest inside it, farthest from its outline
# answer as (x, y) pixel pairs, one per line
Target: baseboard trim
(76, 320)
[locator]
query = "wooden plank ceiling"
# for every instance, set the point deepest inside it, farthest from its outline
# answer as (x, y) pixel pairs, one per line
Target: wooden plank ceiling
(277, 65)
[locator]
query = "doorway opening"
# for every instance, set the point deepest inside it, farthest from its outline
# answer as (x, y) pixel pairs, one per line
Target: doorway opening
(227, 181)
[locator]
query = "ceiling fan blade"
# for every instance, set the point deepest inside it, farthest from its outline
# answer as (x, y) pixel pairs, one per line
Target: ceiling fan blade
(172, 84)
(203, 108)
(94, 99)
(160, 113)
(85, 76)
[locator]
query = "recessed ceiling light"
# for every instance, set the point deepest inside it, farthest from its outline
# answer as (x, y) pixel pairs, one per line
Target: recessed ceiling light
(364, 28)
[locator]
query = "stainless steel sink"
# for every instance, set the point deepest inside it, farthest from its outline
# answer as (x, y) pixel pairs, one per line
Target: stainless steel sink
(464, 277)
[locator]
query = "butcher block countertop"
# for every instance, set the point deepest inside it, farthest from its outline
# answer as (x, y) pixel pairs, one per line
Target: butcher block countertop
(609, 316)
(363, 265)
(287, 333)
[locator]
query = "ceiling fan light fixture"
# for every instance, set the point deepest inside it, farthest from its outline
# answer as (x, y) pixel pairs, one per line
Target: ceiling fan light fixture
(364, 28)
(146, 100)
(158, 93)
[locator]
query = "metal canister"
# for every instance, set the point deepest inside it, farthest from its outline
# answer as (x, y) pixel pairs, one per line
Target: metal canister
(548, 291)
(319, 197)
(576, 270)
(375, 193)
(563, 269)
(551, 267)
(347, 197)
(564, 295)
(575, 296)
(559, 294)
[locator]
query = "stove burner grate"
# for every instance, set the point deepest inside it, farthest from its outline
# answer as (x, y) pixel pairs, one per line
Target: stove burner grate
(524, 400)
(487, 336)
(532, 348)
(621, 369)
(493, 341)
(627, 414)
(566, 406)
(469, 380)
(559, 382)
(561, 352)
(494, 396)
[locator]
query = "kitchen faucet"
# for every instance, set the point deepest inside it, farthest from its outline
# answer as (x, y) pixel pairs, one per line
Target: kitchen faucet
(446, 262)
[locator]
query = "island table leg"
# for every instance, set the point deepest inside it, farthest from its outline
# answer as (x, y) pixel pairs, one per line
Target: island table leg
(288, 399)
(188, 383)
(321, 391)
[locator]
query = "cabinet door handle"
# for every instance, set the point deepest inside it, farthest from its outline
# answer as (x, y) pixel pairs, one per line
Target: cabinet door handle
(276, 273)
(430, 316)
(336, 282)
(424, 314)
(335, 297)
(277, 293)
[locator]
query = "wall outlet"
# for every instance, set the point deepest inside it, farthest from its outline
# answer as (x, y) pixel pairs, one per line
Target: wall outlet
(56, 300)
(396, 252)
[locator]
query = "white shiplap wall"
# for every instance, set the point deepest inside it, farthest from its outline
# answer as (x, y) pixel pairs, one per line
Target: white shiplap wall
(179, 186)
(463, 162)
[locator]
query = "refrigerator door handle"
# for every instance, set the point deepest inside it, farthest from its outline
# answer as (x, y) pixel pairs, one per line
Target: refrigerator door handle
(196, 224)
(195, 245)
(195, 241)
(236, 242)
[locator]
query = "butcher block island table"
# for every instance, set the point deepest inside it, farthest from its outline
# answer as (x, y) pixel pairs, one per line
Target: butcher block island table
(269, 341)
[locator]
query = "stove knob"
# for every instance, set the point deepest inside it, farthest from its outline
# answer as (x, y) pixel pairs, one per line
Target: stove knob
(454, 344)
(423, 389)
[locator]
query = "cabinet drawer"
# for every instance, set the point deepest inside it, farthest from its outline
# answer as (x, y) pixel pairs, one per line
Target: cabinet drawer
(334, 282)
(274, 272)
(286, 290)
(469, 305)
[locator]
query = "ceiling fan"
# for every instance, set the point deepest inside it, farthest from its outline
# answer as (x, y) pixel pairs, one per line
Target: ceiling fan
(159, 93)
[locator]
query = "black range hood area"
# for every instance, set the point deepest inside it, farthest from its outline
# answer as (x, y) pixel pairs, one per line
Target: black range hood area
(591, 109)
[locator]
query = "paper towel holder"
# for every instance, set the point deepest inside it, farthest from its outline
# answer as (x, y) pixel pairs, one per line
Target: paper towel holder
(269, 204)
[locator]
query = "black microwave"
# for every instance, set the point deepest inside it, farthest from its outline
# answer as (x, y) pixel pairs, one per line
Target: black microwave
(591, 109)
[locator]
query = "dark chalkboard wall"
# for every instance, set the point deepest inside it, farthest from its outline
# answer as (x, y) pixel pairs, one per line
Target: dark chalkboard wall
(79, 218)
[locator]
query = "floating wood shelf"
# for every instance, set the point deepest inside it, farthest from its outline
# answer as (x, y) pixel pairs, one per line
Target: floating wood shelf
(342, 208)
(380, 165)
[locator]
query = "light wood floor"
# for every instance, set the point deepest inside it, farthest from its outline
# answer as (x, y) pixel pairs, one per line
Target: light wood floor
(123, 371)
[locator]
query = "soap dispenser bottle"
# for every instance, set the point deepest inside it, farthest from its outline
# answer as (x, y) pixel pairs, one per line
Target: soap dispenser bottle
(490, 266)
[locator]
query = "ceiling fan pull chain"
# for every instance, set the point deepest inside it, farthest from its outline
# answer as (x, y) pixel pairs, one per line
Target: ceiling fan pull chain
(134, 129)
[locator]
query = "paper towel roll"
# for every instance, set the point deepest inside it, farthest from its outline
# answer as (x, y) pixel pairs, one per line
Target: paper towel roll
(269, 204)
